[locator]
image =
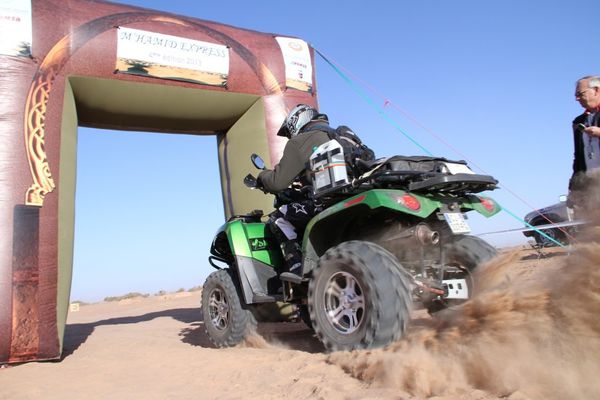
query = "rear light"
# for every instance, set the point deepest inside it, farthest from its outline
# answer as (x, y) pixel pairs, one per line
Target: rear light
(410, 202)
(487, 204)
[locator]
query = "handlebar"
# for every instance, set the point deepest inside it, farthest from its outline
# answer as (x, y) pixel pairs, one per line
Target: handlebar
(250, 181)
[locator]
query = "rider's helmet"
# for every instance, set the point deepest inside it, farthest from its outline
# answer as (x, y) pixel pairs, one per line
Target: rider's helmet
(300, 115)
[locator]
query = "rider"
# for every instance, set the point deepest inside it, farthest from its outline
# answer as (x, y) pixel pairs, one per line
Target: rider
(304, 127)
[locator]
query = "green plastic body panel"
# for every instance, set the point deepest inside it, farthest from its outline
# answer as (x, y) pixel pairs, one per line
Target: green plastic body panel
(476, 203)
(390, 199)
(381, 198)
(253, 240)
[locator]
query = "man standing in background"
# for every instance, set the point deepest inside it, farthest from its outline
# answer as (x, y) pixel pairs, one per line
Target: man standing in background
(586, 135)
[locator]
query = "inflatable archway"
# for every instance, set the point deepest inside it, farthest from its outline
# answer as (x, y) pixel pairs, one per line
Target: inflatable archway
(90, 63)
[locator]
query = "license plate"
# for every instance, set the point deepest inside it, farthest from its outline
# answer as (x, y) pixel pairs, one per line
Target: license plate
(457, 223)
(457, 289)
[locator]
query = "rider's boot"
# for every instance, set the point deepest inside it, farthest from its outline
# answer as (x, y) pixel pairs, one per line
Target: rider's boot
(292, 255)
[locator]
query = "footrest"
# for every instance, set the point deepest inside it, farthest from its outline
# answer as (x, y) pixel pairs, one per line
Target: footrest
(290, 277)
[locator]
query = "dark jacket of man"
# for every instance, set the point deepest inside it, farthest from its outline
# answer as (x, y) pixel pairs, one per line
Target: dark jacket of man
(294, 161)
(578, 179)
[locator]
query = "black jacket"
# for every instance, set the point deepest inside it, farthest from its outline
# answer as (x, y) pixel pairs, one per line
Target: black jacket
(578, 179)
(294, 161)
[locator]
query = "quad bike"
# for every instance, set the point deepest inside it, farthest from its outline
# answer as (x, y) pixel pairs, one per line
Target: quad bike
(394, 235)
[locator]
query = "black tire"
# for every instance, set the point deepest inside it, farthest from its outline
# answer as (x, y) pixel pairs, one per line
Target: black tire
(469, 251)
(369, 288)
(226, 322)
(305, 316)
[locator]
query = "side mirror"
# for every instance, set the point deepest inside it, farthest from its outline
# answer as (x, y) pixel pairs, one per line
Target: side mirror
(257, 161)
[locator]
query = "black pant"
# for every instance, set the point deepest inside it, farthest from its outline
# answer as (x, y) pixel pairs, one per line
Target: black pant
(287, 224)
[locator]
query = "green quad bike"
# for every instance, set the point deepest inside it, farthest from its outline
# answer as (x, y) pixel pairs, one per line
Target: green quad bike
(391, 237)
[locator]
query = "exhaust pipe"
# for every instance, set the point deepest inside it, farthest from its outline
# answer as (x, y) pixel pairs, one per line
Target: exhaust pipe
(426, 236)
(420, 234)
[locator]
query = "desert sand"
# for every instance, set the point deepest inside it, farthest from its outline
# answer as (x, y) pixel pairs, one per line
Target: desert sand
(531, 332)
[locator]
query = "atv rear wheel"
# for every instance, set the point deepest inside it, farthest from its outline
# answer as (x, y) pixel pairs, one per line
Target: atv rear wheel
(226, 322)
(359, 297)
(469, 251)
(464, 253)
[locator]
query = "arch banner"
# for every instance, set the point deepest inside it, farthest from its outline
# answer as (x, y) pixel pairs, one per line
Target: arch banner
(171, 57)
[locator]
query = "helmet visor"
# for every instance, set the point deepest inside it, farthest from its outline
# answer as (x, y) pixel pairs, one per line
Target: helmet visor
(283, 130)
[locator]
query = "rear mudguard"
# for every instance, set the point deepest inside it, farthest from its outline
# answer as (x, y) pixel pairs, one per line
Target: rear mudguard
(251, 250)
(324, 230)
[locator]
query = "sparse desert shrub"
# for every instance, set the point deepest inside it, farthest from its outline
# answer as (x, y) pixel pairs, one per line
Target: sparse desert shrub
(130, 295)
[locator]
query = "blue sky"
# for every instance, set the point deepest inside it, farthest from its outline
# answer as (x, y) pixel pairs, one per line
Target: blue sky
(494, 80)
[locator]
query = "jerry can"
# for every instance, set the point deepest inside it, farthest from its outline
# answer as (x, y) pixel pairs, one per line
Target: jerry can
(328, 167)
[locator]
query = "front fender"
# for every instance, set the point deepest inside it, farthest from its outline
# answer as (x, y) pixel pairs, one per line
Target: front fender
(252, 252)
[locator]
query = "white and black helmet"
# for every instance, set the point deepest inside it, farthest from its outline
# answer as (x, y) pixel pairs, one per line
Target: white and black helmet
(300, 115)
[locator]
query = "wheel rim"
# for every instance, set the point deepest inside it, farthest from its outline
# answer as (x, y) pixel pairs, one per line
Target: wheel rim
(550, 233)
(344, 302)
(218, 309)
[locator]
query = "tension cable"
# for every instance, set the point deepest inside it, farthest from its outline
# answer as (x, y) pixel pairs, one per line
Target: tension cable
(392, 122)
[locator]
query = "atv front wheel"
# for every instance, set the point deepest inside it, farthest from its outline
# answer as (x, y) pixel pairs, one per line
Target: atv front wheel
(359, 297)
(226, 322)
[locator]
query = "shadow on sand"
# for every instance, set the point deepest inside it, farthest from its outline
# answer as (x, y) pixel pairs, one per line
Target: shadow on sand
(542, 253)
(77, 334)
(293, 335)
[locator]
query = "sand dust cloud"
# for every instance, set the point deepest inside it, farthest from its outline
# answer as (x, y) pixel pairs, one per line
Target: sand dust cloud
(532, 333)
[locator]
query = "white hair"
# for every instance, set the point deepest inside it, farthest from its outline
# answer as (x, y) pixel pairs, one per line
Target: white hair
(592, 80)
